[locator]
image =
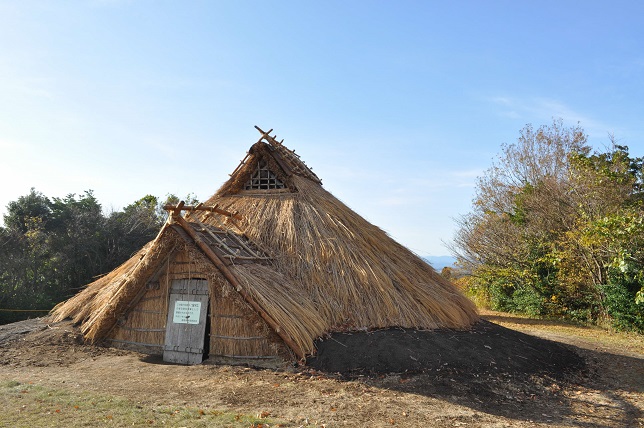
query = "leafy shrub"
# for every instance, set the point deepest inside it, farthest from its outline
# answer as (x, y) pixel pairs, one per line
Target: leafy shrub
(528, 301)
(620, 304)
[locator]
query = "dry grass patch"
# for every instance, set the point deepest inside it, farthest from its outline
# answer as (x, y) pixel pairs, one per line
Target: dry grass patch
(28, 405)
(585, 336)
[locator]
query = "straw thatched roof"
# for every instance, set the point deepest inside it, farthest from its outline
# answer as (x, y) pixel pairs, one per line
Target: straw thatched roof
(306, 262)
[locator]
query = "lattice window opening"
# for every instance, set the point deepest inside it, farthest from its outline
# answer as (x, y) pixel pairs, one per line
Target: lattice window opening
(263, 179)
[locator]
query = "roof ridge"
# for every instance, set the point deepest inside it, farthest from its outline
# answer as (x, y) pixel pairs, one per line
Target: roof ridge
(294, 161)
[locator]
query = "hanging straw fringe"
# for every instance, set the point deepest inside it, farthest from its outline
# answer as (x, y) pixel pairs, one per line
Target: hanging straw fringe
(331, 270)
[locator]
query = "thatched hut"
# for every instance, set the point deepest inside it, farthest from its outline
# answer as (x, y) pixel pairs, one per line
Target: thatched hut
(263, 268)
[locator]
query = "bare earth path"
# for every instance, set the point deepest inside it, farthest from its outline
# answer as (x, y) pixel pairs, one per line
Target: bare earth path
(607, 392)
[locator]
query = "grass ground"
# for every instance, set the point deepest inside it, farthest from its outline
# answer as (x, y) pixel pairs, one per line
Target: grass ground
(591, 336)
(48, 379)
(27, 405)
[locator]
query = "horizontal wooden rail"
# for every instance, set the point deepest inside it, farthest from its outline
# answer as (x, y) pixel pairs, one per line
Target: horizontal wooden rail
(201, 207)
(151, 345)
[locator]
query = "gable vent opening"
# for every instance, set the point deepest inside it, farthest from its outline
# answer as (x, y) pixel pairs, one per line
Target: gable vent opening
(263, 179)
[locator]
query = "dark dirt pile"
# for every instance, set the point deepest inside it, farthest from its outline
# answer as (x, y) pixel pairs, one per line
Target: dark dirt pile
(486, 377)
(35, 342)
(486, 348)
(17, 330)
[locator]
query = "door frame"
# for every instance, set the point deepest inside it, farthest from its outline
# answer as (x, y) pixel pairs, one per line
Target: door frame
(186, 334)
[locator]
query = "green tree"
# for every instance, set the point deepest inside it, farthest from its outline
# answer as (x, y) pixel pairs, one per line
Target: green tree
(128, 230)
(24, 254)
(522, 204)
(537, 239)
(75, 236)
(22, 213)
(50, 248)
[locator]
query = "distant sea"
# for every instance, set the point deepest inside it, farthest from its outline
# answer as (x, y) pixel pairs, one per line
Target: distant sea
(439, 262)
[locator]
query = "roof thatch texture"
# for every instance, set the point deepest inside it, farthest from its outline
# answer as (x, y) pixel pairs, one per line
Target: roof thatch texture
(285, 301)
(357, 276)
(329, 268)
(98, 307)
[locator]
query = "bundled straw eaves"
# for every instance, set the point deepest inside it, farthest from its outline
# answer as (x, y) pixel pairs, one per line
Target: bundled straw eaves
(358, 277)
(329, 269)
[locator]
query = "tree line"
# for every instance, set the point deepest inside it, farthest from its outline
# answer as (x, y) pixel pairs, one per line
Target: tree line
(557, 229)
(51, 247)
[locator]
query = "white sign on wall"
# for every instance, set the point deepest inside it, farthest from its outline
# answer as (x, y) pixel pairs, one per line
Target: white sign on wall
(186, 312)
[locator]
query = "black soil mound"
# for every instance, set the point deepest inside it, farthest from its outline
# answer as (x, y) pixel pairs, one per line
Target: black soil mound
(18, 330)
(485, 348)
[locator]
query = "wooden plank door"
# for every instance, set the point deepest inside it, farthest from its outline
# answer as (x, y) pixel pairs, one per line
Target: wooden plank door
(186, 325)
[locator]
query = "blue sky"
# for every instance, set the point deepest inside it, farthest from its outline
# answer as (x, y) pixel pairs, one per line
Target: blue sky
(397, 106)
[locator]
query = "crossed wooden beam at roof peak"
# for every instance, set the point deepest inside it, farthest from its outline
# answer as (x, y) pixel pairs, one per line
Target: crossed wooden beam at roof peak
(181, 206)
(295, 158)
(266, 136)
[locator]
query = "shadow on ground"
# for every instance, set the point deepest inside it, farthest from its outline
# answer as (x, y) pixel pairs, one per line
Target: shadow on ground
(491, 369)
(531, 321)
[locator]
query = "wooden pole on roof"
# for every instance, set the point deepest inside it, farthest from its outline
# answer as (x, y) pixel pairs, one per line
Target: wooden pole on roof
(200, 207)
(267, 135)
(273, 142)
(264, 134)
(241, 163)
(176, 210)
(235, 283)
